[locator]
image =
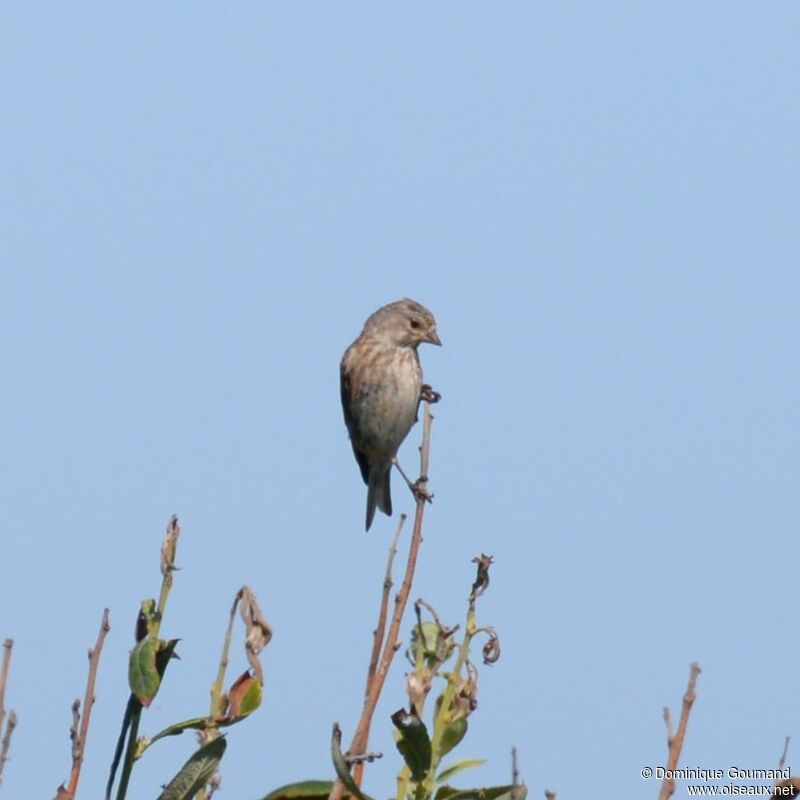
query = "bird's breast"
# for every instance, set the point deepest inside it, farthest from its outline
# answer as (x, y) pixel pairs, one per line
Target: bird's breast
(390, 405)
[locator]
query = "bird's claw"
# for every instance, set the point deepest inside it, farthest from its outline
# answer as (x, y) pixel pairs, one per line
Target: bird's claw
(420, 489)
(429, 395)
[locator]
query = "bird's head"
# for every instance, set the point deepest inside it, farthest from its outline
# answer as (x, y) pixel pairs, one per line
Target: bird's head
(405, 323)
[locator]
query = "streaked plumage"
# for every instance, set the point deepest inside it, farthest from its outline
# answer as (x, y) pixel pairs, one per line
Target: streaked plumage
(381, 380)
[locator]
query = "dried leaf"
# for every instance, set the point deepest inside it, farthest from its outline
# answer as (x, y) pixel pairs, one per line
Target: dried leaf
(258, 632)
(482, 577)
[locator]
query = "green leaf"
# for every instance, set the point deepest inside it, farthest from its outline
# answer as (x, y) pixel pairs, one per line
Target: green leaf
(427, 636)
(147, 621)
(194, 724)
(453, 734)
(252, 698)
(244, 697)
(248, 698)
(489, 793)
(414, 743)
(305, 790)
(143, 677)
(340, 765)
(459, 766)
(521, 793)
(146, 667)
(196, 772)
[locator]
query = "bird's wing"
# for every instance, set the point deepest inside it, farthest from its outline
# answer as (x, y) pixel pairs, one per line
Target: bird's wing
(349, 391)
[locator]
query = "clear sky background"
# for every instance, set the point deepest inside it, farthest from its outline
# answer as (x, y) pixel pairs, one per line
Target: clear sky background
(599, 202)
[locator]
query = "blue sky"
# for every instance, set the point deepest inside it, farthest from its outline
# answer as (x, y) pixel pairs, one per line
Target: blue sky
(599, 202)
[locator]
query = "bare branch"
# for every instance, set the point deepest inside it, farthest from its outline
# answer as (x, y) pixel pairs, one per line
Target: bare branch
(79, 744)
(76, 723)
(79, 730)
(8, 646)
(675, 741)
(785, 753)
(370, 757)
(11, 723)
(514, 775)
(380, 629)
(358, 746)
(668, 723)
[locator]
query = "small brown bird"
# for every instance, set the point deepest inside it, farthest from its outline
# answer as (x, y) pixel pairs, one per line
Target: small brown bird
(381, 381)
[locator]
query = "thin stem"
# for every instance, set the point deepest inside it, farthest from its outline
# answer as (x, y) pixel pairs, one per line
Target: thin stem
(169, 549)
(216, 689)
(380, 629)
(11, 723)
(8, 646)
(130, 748)
(443, 712)
(514, 775)
(358, 745)
(785, 753)
(675, 741)
(79, 743)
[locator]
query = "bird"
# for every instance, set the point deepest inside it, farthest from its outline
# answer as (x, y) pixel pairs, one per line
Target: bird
(381, 385)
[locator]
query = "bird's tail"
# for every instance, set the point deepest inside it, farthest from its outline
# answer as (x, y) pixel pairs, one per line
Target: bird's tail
(378, 494)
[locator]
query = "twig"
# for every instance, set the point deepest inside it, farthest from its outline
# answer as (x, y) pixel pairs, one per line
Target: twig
(668, 723)
(79, 729)
(216, 709)
(76, 723)
(370, 757)
(514, 775)
(675, 740)
(8, 646)
(11, 723)
(169, 548)
(785, 753)
(358, 745)
(380, 629)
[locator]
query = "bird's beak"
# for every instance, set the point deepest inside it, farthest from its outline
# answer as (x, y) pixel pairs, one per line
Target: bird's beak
(433, 338)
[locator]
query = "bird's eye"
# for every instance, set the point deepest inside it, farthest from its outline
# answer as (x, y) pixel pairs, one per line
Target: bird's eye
(414, 324)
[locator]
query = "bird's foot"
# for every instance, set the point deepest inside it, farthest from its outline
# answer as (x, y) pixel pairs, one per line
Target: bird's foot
(420, 489)
(429, 395)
